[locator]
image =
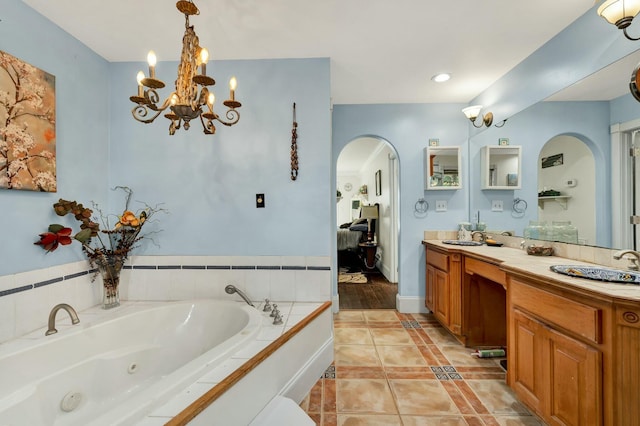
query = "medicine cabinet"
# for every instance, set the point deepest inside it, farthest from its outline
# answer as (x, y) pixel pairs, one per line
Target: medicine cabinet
(442, 167)
(500, 167)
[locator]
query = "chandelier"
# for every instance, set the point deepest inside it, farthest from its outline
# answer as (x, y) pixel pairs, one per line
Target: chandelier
(192, 94)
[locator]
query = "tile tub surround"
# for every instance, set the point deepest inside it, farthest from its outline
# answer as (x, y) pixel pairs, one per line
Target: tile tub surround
(27, 298)
(405, 369)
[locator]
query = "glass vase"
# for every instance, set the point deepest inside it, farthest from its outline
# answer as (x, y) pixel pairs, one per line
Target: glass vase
(110, 266)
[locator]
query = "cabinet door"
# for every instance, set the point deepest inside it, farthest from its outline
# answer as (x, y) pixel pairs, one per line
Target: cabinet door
(575, 393)
(525, 360)
(442, 297)
(431, 278)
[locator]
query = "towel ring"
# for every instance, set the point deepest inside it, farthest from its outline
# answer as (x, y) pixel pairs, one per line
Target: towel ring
(421, 206)
(519, 205)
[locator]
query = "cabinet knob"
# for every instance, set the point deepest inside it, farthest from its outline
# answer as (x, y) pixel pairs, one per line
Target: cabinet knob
(630, 317)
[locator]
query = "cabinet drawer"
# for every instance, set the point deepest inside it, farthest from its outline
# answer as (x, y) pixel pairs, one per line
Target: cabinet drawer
(439, 260)
(584, 320)
(484, 269)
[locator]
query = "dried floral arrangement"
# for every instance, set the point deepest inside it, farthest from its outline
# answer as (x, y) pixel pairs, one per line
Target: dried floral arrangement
(99, 240)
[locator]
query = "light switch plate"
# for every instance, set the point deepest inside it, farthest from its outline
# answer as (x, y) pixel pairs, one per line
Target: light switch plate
(441, 206)
(496, 206)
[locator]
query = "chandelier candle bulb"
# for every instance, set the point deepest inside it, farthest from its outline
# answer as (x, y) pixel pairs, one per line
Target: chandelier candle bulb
(204, 57)
(140, 77)
(210, 100)
(152, 60)
(233, 83)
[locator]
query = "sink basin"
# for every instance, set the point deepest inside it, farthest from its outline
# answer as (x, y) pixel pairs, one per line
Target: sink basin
(598, 273)
(462, 243)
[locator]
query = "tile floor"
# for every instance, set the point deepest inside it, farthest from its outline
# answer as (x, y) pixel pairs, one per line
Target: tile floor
(405, 369)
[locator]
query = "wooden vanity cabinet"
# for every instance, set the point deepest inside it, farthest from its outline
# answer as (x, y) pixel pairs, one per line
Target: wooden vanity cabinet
(443, 288)
(556, 354)
(627, 361)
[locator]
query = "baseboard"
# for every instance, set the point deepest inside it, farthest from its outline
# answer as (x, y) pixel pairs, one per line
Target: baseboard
(411, 305)
(335, 303)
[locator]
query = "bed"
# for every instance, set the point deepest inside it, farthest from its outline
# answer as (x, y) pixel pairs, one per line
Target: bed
(351, 234)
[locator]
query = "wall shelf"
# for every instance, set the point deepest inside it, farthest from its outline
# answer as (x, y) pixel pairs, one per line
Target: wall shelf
(560, 199)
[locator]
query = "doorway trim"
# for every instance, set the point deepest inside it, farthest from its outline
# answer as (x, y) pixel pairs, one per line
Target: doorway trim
(394, 212)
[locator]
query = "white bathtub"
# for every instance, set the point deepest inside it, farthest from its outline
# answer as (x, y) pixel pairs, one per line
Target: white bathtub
(118, 369)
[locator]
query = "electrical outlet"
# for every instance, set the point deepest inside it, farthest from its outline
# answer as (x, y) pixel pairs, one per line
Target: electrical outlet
(441, 206)
(496, 206)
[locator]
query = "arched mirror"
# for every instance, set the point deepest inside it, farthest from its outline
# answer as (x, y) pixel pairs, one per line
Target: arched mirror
(566, 178)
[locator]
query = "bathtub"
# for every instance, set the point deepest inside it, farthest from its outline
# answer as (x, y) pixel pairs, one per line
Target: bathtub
(116, 366)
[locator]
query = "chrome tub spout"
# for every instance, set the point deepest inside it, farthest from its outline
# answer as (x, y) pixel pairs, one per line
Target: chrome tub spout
(52, 317)
(230, 289)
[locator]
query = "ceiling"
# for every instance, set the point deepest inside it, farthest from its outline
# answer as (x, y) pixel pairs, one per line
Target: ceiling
(381, 51)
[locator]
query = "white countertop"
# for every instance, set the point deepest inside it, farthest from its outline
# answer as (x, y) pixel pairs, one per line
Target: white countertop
(517, 260)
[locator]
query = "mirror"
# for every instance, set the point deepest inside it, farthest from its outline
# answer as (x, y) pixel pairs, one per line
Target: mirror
(500, 167)
(584, 111)
(442, 167)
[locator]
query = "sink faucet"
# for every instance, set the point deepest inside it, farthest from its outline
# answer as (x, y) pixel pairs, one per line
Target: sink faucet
(634, 262)
(481, 236)
(52, 317)
(230, 289)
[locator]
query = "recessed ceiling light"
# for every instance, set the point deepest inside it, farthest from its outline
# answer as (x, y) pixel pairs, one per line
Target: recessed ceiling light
(441, 78)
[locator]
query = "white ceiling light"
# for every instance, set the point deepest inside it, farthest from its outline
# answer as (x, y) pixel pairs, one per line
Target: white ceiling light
(441, 78)
(620, 13)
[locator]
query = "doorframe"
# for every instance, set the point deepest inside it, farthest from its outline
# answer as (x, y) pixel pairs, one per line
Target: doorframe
(394, 218)
(621, 185)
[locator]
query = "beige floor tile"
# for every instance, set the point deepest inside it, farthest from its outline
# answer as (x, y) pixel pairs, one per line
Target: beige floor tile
(354, 316)
(459, 355)
(497, 397)
(422, 397)
(364, 396)
(518, 421)
(381, 316)
(440, 336)
(433, 421)
(386, 336)
(401, 356)
(368, 420)
(352, 336)
(355, 355)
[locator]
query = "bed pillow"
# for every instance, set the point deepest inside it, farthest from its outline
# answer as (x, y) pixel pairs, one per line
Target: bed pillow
(359, 225)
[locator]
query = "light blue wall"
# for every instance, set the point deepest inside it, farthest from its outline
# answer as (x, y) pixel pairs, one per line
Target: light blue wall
(531, 129)
(584, 47)
(408, 128)
(209, 183)
(82, 134)
(624, 108)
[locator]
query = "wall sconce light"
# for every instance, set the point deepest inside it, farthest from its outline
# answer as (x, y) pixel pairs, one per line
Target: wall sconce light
(620, 13)
(472, 112)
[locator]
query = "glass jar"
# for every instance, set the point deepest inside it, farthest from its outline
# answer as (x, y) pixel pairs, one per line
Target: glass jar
(536, 230)
(565, 232)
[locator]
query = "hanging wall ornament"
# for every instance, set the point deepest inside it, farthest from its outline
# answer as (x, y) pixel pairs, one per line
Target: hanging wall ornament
(294, 146)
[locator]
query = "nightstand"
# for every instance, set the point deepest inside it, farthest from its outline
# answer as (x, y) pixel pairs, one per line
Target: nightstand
(369, 250)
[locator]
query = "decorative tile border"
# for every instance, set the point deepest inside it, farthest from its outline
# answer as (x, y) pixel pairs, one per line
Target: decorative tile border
(165, 268)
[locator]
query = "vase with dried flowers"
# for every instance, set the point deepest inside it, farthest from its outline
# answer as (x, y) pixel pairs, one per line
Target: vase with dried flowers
(106, 246)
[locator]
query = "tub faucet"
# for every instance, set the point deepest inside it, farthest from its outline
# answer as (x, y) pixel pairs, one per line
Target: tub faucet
(230, 289)
(634, 262)
(52, 317)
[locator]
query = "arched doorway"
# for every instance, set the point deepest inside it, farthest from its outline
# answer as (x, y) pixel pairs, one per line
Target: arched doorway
(367, 258)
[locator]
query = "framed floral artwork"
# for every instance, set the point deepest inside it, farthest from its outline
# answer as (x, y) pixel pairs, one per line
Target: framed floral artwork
(27, 126)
